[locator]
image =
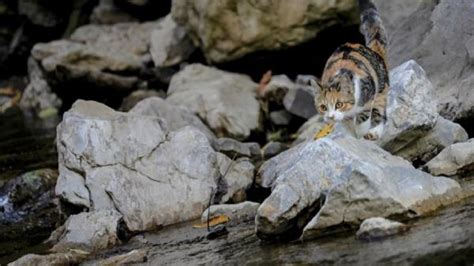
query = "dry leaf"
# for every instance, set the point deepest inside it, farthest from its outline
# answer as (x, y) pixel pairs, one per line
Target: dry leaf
(220, 219)
(326, 130)
(79, 251)
(266, 78)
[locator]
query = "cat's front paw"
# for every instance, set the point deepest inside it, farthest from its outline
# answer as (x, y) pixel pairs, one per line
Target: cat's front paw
(371, 136)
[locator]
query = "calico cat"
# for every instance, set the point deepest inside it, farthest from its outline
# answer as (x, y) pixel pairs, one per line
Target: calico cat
(355, 83)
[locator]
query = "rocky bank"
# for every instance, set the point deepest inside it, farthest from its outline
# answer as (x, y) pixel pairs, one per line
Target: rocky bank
(195, 140)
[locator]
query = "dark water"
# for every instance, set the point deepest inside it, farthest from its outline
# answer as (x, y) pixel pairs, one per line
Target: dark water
(26, 144)
(444, 238)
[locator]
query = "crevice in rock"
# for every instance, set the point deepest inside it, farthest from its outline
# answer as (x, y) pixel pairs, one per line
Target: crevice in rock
(468, 124)
(307, 58)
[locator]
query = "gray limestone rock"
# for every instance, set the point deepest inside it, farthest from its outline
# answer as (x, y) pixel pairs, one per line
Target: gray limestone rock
(456, 159)
(225, 101)
(339, 180)
(442, 135)
(176, 117)
(89, 231)
(411, 107)
(379, 227)
(133, 164)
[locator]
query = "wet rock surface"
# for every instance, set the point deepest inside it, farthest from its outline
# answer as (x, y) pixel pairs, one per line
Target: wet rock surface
(378, 227)
(50, 259)
(28, 210)
(425, 243)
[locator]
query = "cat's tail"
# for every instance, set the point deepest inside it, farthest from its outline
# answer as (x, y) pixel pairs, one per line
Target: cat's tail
(372, 28)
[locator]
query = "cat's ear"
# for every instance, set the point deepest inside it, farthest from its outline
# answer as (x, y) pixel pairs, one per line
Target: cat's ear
(315, 85)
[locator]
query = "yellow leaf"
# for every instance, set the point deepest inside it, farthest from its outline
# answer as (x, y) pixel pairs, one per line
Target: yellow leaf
(79, 251)
(326, 130)
(220, 219)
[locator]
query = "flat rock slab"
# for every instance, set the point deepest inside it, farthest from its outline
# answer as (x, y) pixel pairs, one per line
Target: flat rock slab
(339, 180)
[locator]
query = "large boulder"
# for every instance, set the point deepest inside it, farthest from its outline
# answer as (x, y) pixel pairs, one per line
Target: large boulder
(337, 181)
(225, 101)
(133, 164)
(411, 114)
(456, 159)
(437, 34)
(230, 29)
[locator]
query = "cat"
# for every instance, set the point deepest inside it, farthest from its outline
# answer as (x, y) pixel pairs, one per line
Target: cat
(355, 83)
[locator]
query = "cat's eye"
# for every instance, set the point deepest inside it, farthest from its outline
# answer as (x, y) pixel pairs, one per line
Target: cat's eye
(339, 105)
(323, 108)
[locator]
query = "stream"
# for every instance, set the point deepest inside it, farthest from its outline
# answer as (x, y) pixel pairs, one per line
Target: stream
(25, 145)
(444, 238)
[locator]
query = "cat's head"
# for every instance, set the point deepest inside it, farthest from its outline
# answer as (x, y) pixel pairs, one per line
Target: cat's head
(335, 100)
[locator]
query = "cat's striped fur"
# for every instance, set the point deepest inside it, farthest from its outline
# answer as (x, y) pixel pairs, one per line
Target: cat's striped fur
(355, 81)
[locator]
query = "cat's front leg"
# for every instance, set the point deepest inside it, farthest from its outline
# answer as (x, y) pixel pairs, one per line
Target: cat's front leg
(377, 122)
